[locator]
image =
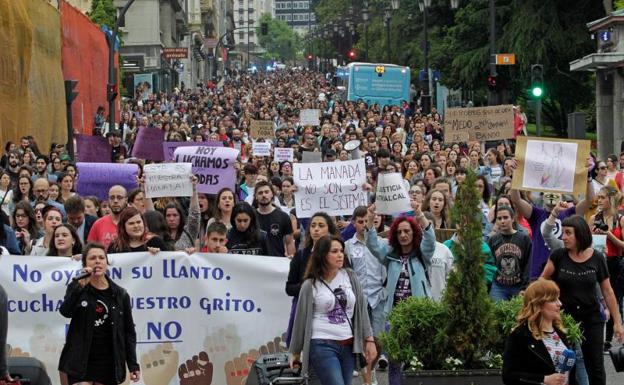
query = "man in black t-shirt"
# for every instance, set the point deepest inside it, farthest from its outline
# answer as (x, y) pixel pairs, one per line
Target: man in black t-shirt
(274, 222)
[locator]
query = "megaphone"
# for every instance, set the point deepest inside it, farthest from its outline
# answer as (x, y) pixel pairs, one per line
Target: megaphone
(353, 147)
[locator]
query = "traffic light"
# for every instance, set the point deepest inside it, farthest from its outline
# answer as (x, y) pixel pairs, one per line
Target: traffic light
(111, 92)
(537, 81)
(70, 92)
(264, 29)
(492, 82)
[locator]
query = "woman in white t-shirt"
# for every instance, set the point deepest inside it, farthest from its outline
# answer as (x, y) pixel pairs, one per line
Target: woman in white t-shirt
(332, 321)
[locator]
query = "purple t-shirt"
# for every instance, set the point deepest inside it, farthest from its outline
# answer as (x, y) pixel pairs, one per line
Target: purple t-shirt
(540, 251)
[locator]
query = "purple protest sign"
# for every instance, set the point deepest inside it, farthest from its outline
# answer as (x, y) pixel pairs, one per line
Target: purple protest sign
(148, 143)
(213, 166)
(97, 178)
(169, 147)
(92, 149)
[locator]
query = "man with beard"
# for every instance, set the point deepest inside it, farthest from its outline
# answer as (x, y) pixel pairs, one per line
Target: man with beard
(104, 230)
(237, 142)
(13, 167)
(275, 222)
(41, 189)
(41, 167)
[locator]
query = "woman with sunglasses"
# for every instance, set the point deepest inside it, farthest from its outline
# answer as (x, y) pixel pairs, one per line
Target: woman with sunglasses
(331, 322)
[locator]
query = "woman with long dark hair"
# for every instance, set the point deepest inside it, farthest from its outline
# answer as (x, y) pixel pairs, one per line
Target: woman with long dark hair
(245, 236)
(52, 217)
(132, 234)
(65, 242)
(101, 338)
(25, 226)
(225, 201)
(331, 321)
(577, 268)
(320, 225)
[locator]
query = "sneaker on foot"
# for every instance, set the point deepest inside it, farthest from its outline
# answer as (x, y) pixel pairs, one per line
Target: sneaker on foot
(382, 363)
(356, 373)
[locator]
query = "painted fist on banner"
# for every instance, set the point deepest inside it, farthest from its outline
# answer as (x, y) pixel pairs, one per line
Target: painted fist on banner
(237, 370)
(196, 371)
(223, 344)
(159, 365)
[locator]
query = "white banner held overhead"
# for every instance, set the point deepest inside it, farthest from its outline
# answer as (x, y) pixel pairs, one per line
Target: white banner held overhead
(168, 180)
(391, 196)
(229, 306)
(333, 187)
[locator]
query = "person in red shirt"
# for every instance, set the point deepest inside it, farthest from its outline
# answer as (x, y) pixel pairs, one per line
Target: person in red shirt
(104, 230)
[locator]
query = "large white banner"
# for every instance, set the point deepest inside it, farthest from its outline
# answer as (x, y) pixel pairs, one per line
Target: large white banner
(232, 307)
(333, 187)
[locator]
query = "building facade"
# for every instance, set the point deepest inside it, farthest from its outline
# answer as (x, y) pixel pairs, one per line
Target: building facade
(297, 13)
(246, 18)
(148, 29)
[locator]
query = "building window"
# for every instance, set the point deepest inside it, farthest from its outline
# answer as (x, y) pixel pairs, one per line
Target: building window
(241, 35)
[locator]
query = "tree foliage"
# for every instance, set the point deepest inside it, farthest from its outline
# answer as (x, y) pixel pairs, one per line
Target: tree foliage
(552, 33)
(103, 12)
(281, 42)
(470, 312)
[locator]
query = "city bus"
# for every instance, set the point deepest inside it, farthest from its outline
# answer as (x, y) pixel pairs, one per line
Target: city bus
(385, 84)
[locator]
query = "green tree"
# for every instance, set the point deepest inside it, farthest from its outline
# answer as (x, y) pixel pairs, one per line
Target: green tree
(280, 41)
(470, 317)
(103, 12)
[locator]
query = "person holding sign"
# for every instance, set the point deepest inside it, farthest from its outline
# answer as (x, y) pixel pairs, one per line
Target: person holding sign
(101, 338)
(407, 256)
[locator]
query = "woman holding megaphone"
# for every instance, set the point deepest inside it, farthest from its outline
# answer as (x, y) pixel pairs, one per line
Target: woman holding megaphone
(537, 351)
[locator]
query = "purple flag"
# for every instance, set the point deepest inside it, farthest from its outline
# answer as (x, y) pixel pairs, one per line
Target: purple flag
(92, 149)
(97, 178)
(169, 147)
(148, 144)
(213, 166)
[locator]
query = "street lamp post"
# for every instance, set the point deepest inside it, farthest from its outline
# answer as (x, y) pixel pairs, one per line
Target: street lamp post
(112, 85)
(426, 97)
(365, 16)
(493, 94)
(387, 23)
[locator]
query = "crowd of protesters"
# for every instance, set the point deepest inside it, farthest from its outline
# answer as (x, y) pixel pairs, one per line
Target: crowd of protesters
(393, 257)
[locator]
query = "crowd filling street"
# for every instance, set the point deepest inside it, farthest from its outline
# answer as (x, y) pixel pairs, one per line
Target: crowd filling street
(347, 272)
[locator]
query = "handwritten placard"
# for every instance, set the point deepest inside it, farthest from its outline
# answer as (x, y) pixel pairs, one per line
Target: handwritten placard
(332, 187)
(169, 147)
(97, 178)
(261, 129)
(213, 166)
(148, 143)
(480, 123)
(93, 149)
(168, 180)
(283, 154)
(391, 196)
(309, 117)
(261, 149)
(555, 165)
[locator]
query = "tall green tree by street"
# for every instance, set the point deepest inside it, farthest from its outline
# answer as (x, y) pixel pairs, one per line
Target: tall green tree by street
(281, 42)
(103, 12)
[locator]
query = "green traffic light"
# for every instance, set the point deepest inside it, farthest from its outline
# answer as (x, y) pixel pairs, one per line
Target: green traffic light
(537, 91)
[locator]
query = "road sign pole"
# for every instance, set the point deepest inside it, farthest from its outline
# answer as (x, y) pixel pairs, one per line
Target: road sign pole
(538, 116)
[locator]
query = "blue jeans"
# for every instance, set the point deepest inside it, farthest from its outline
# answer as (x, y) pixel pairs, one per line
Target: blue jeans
(581, 373)
(503, 293)
(333, 363)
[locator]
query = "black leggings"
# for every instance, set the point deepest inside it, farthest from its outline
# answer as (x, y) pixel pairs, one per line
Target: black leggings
(592, 352)
(614, 265)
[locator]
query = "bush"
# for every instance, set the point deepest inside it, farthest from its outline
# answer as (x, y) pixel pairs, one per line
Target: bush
(466, 330)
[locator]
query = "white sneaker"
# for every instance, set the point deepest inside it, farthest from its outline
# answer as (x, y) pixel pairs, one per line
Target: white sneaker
(382, 363)
(356, 373)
